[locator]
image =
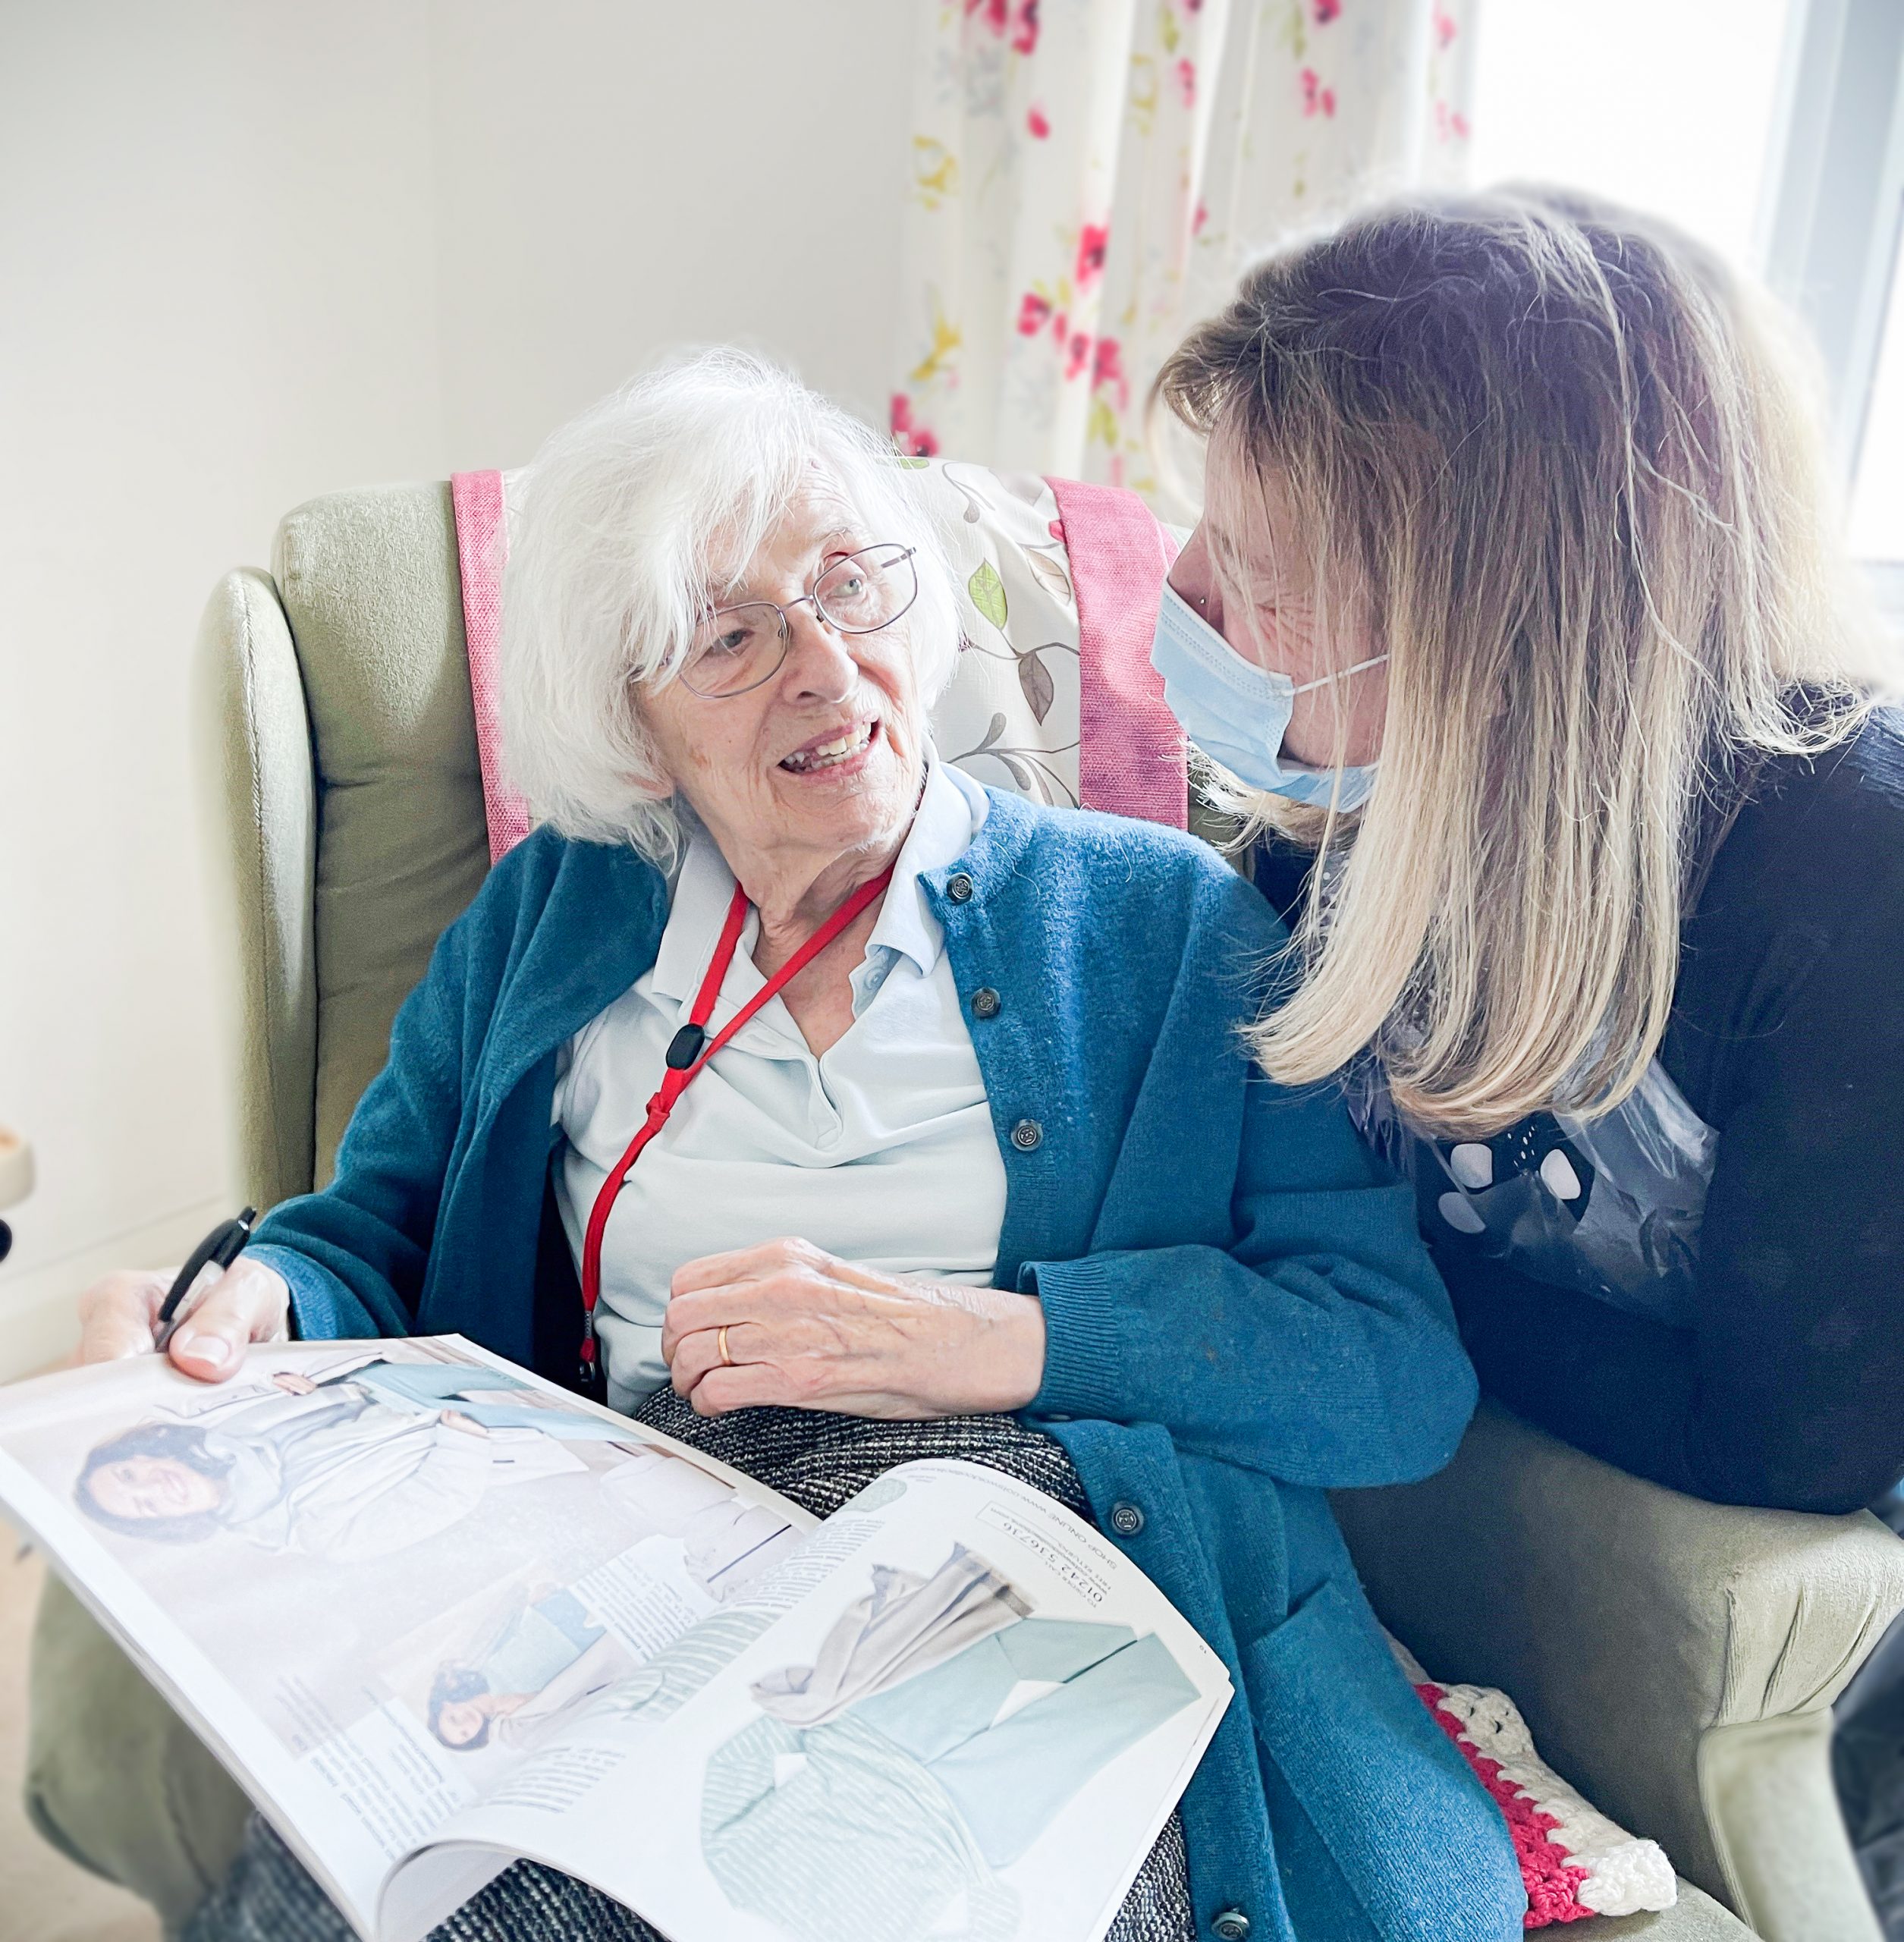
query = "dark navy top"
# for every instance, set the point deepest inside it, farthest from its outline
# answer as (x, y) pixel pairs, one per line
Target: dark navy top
(1787, 1037)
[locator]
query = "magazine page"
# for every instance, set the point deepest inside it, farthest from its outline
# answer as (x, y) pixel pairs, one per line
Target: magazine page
(374, 1575)
(954, 1711)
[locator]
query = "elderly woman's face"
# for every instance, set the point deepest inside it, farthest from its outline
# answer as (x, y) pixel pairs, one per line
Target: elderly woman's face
(824, 758)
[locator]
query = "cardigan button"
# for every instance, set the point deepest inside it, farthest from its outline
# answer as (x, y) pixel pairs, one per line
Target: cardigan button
(959, 888)
(1027, 1136)
(1232, 1925)
(1127, 1520)
(986, 1002)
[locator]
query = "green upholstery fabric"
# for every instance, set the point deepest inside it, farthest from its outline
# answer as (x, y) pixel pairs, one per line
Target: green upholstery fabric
(1648, 1640)
(1769, 1798)
(369, 585)
(250, 702)
(1696, 1917)
(160, 1816)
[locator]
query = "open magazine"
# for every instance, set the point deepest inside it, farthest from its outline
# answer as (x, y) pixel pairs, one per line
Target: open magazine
(436, 1614)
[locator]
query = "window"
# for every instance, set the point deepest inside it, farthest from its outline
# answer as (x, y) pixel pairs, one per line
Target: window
(1773, 128)
(1877, 495)
(1651, 102)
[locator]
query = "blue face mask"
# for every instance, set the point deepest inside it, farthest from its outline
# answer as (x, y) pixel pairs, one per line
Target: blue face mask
(1238, 713)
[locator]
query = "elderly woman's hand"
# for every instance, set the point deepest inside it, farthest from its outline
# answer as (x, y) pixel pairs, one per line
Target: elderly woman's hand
(229, 1308)
(808, 1330)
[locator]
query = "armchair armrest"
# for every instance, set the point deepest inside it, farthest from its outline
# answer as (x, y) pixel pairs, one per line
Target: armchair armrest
(1676, 1660)
(254, 749)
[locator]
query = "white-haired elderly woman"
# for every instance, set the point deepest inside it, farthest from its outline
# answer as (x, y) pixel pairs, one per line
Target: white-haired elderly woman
(992, 1162)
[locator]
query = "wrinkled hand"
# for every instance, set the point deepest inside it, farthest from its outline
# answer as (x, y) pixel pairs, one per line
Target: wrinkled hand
(248, 1302)
(811, 1331)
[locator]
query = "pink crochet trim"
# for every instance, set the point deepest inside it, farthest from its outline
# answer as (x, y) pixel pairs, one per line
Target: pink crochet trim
(1553, 1881)
(481, 548)
(1131, 758)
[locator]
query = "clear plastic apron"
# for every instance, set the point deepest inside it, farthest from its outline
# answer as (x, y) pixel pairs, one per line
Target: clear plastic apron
(1611, 1207)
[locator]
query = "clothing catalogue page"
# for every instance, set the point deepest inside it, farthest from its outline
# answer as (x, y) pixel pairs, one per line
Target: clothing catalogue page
(436, 1614)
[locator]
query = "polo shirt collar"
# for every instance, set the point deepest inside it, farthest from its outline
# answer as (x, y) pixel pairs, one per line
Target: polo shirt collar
(951, 809)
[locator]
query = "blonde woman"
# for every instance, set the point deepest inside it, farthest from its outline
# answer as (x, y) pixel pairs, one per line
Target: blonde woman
(1516, 623)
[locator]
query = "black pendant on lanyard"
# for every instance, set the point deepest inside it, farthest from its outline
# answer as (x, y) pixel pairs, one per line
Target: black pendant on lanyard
(689, 1052)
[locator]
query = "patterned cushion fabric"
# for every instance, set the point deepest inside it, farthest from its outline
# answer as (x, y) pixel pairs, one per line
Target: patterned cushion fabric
(1010, 716)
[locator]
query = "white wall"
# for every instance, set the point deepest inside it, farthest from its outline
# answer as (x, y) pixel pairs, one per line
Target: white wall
(615, 178)
(253, 250)
(218, 298)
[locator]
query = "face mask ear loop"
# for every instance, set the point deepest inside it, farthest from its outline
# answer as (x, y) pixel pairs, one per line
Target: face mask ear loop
(1340, 674)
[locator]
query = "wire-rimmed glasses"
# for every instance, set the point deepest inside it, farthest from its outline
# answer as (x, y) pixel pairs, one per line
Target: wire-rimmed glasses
(738, 647)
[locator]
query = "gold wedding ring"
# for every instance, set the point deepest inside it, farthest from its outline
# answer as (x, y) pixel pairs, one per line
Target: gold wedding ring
(721, 1342)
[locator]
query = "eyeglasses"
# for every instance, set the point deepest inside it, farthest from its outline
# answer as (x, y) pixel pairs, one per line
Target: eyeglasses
(738, 647)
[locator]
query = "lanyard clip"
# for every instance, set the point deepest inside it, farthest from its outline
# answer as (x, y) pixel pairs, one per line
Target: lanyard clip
(685, 1047)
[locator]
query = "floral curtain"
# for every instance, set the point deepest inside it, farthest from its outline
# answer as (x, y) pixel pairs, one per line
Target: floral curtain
(1087, 177)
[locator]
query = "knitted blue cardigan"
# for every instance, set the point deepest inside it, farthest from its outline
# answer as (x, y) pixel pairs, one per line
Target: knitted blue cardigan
(1239, 1313)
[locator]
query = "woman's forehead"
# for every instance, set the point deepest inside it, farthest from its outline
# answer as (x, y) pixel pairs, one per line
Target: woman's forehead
(819, 516)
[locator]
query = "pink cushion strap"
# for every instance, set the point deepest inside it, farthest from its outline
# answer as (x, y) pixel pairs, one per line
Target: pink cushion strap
(1131, 758)
(482, 547)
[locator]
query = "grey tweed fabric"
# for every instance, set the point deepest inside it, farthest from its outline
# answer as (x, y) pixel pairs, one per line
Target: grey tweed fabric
(818, 1461)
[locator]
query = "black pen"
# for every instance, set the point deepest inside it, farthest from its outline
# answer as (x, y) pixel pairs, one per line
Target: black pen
(218, 1249)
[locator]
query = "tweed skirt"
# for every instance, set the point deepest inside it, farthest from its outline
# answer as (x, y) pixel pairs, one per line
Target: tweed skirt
(819, 1462)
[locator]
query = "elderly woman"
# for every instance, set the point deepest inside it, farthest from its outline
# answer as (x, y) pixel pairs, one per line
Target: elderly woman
(783, 1066)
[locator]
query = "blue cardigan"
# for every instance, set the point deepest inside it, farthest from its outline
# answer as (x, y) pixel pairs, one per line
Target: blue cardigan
(1239, 1313)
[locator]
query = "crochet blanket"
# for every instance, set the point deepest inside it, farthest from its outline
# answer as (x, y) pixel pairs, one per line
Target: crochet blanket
(1575, 1861)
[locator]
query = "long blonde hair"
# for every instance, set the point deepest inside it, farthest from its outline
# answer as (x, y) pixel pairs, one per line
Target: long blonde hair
(1565, 465)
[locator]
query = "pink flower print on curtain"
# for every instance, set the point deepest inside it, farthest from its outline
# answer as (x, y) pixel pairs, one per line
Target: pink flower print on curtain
(1316, 98)
(1015, 20)
(1087, 177)
(1107, 369)
(1093, 238)
(911, 439)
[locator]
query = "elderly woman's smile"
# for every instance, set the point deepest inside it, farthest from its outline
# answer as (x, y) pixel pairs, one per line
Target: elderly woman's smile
(826, 753)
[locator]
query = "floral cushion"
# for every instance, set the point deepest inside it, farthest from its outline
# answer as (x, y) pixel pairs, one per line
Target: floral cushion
(1011, 716)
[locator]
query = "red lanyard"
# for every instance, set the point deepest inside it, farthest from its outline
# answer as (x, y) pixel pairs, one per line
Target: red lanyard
(688, 1051)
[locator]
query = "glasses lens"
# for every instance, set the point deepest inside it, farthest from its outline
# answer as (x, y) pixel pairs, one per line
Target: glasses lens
(734, 648)
(865, 590)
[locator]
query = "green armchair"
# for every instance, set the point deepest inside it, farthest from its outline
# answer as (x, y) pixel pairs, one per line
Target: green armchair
(1676, 1661)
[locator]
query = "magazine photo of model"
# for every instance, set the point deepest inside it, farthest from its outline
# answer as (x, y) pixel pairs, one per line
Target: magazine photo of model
(938, 1732)
(953, 1714)
(406, 1561)
(351, 1461)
